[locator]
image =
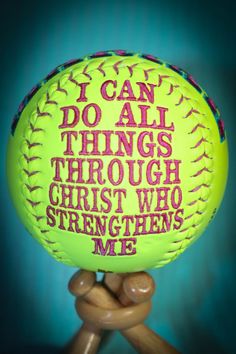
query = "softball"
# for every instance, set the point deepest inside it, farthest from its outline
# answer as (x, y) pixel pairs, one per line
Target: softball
(117, 162)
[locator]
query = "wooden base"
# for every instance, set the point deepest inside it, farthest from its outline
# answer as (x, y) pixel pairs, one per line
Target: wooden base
(119, 302)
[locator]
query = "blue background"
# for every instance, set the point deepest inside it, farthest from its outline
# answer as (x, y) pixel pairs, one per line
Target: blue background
(194, 305)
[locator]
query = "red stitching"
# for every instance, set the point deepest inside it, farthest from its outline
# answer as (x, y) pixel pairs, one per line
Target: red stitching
(51, 242)
(201, 157)
(146, 73)
(30, 174)
(187, 228)
(29, 159)
(199, 187)
(203, 200)
(71, 79)
(184, 230)
(191, 215)
(192, 110)
(38, 217)
(31, 145)
(202, 140)
(188, 237)
(48, 101)
(34, 130)
(32, 203)
(130, 68)
(172, 87)
(31, 189)
(182, 98)
(60, 89)
(198, 173)
(195, 201)
(115, 66)
(42, 114)
(84, 72)
(199, 125)
(100, 68)
(160, 78)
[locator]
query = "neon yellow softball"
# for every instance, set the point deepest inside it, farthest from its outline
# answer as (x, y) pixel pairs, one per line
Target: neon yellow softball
(117, 162)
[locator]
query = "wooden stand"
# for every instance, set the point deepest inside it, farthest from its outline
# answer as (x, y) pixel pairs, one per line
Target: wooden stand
(120, 302)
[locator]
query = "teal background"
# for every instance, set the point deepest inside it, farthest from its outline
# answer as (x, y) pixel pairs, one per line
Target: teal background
(194, 306)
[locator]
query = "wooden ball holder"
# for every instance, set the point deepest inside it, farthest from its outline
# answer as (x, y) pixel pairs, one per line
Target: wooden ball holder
(120, 302)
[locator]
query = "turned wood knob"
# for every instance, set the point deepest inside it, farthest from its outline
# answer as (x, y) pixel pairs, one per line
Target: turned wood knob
(81, 282)
(136, 288)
